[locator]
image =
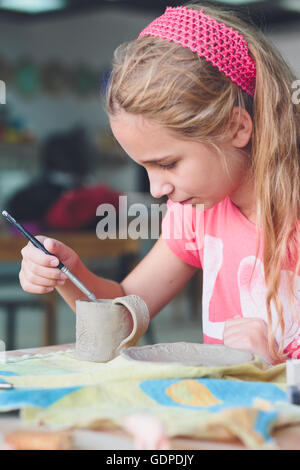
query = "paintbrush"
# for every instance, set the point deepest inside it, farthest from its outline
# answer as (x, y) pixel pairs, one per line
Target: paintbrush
(39, 245)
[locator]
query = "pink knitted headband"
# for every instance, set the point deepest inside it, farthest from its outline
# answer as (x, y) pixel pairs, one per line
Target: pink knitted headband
(224, 47)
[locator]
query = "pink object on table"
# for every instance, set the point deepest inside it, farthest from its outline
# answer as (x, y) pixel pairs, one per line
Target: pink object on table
(147, 431)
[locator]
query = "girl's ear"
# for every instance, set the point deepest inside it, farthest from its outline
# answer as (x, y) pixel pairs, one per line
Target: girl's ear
(242, 126)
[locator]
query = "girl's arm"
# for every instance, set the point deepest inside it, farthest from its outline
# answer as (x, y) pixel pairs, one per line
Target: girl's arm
(156, 279)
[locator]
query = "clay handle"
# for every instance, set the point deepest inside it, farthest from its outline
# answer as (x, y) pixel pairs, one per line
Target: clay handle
(140, 316)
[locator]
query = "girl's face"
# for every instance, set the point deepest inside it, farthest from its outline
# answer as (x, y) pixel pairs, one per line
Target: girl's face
(185, 171)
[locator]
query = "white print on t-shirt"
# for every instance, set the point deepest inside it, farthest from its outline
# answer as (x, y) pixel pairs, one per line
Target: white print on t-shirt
(212, 262)
(252, 296)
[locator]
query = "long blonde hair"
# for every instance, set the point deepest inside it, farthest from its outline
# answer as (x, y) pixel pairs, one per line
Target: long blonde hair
(189, 96)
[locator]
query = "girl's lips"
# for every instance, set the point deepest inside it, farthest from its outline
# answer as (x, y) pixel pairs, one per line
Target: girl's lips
(186, 201)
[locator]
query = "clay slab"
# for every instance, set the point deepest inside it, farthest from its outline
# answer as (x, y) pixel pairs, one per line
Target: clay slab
(189, 354)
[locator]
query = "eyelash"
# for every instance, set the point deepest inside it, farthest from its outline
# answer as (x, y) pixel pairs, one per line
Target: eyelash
(167, 167)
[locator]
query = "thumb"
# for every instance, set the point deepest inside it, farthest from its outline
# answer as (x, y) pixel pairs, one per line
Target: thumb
(58, 249)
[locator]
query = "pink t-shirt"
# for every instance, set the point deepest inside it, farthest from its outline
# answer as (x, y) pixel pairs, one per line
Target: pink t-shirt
(222, 241)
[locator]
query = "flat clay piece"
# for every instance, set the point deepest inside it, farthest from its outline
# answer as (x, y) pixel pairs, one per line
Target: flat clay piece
(189, 354)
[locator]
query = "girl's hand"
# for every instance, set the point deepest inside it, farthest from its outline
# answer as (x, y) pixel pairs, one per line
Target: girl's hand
(250, 334)
(39, 273)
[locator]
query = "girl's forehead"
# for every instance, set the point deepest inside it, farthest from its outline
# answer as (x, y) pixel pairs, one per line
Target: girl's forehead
(137, 121)
(143, 139)
(126, 126)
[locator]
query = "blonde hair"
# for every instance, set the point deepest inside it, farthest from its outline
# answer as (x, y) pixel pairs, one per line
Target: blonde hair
(189, 96)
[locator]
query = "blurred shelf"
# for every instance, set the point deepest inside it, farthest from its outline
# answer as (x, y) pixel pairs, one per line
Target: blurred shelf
(112, 159)
(18, 156)
(25, 156)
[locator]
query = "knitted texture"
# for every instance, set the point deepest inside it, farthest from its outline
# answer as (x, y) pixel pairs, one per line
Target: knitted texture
(224, 47)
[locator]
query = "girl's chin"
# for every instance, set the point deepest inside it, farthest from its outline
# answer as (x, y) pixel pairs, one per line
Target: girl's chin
(204, 205)
(197, 202)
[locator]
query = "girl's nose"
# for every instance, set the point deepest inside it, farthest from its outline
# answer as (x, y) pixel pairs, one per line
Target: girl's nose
(159, 190)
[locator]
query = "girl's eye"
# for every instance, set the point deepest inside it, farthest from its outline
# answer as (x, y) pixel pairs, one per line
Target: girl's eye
(167, 167)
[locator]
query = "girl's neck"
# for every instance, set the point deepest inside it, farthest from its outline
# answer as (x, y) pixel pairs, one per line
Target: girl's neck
(244, 199)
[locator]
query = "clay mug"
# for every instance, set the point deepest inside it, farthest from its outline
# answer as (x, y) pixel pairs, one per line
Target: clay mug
(104, 327)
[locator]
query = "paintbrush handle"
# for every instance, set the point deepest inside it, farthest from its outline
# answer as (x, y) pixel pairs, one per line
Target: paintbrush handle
(39, 245)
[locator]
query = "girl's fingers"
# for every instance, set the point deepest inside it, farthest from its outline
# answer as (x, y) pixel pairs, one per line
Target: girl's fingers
(60, 251)
(37, 284)
(31, 288)
(34, 279)
(239, 326)
(233, 332)
(37, 256)
(42, 271)
(39, 273)
(231, 328)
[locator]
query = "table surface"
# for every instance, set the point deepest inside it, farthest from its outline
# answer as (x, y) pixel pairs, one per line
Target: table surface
(287, 438)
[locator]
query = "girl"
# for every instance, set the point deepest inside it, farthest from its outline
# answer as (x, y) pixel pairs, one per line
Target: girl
(204, 103)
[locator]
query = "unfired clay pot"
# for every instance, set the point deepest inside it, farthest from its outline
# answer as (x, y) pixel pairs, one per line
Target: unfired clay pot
(103, 328)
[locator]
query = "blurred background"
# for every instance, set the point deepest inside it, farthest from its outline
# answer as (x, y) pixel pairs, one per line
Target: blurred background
(58, 160)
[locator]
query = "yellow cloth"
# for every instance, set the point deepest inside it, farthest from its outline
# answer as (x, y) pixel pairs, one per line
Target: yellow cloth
(61, 391)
